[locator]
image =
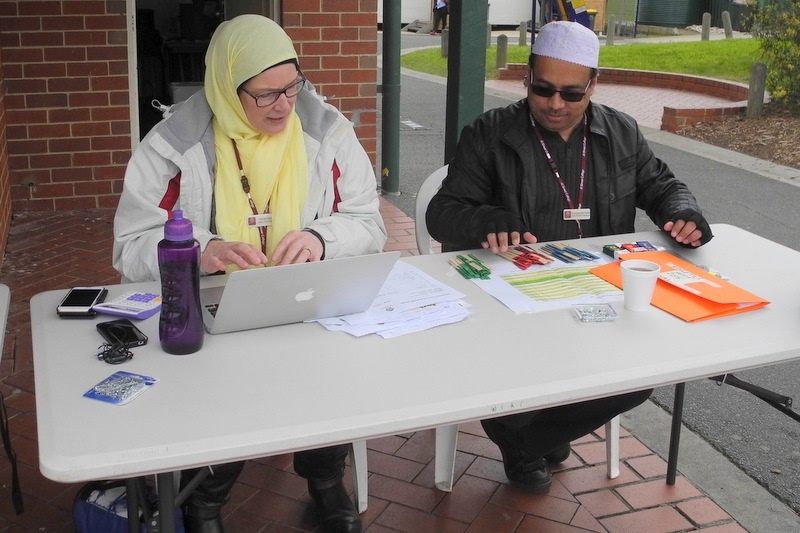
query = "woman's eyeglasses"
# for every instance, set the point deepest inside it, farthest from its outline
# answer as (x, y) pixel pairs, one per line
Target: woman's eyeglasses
(267, 99)
(567, 96)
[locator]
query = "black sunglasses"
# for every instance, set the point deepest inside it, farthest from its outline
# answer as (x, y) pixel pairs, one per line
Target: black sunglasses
(567, 96)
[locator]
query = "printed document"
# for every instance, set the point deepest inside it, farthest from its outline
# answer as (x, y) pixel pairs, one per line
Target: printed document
(545, 287)
(409, 301)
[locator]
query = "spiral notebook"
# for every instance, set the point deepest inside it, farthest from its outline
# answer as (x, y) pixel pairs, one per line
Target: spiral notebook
(273, 296)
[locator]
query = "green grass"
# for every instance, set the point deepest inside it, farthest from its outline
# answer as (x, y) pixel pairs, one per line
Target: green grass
(728, 59)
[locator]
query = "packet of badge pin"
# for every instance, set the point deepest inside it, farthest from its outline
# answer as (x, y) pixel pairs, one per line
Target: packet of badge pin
(120, 387)
(595, 312)
(623, 248)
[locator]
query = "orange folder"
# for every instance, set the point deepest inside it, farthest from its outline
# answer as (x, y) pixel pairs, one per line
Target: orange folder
(693, 293)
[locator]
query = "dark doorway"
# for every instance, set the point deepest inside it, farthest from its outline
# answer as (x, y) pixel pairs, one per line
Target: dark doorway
(171, 40)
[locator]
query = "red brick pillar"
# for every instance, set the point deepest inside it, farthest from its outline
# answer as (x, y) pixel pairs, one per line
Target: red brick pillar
(337, 41)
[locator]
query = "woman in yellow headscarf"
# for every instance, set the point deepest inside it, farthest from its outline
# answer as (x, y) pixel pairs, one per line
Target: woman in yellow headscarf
(268, 174)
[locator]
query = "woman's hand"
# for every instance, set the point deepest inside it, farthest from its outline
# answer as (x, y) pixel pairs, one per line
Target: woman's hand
(297, 247)
(219, 254)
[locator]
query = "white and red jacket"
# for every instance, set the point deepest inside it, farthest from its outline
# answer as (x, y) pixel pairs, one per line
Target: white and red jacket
(173, 168)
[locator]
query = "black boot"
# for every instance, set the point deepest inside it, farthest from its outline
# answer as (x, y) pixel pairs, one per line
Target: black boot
(559, 454)
(522, 470)
(195, 524)
(338, 513)
(202, 508)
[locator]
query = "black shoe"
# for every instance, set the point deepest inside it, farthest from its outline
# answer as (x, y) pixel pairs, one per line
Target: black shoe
(193, 524)
(338, 513)
(532, 476)
(559, 454)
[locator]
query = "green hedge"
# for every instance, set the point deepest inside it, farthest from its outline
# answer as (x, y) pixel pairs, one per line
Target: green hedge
(777, 25)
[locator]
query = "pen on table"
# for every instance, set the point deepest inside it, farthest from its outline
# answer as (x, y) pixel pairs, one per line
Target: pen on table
(546, 258)
(521, 259)
(569, 252)
(476, 263)
(534, 255)
(462, 269)
(542, 257)
(470, 268)
(465, 267)
(558, 254)
(544, 253)
(582, 253)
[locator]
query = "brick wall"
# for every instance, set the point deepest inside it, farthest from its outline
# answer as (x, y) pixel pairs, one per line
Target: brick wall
(66, 75)
(67, 110)
(675, 119)
(337, 41)
(5, 193)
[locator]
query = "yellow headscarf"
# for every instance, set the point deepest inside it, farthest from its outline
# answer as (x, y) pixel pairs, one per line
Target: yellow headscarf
(276, 166)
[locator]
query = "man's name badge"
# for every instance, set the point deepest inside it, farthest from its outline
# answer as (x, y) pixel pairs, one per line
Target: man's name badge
(259, 221)
(577, 214)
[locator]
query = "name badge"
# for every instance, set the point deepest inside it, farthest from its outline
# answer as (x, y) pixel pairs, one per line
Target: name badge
(577, 214)
(259, 221)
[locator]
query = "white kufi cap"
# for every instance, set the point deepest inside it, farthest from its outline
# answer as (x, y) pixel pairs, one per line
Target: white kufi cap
(568, 41)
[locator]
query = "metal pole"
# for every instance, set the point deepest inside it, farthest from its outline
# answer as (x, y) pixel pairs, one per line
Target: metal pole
(390, 90)
(466, 70)
(166, 502)
(675, 433)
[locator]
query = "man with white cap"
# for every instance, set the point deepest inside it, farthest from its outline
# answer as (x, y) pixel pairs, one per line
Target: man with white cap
(556, 166)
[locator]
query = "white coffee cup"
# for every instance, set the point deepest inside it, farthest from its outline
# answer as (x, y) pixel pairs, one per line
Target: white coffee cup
(638, 283)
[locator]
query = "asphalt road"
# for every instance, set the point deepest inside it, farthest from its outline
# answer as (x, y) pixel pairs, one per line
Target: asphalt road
(760, 440)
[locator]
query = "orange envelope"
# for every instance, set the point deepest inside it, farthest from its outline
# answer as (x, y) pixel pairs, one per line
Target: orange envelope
(687, 291)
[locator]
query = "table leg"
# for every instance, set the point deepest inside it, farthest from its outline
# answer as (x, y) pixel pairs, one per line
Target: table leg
(166, 502)
(675, 433)
(132, 498)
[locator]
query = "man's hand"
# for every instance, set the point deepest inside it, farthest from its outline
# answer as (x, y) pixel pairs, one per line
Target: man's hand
(502, 229)
(689, 228)
(219, 254)
(297, 247)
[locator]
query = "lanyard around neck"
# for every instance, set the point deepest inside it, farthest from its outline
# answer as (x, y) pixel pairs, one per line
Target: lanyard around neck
(557, 174)
(262, 230)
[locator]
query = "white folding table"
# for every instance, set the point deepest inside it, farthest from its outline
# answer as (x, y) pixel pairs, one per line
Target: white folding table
(282, 389)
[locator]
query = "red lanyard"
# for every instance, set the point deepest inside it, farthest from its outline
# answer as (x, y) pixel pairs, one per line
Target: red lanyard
(557, 174)
(262, 230)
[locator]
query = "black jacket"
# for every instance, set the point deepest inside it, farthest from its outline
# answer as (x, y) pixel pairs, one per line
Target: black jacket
(493, 169)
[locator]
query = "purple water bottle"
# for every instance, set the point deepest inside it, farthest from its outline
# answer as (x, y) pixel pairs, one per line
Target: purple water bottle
(180, 327)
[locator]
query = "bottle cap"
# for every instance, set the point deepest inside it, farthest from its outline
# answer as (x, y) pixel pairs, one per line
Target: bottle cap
(178, 228)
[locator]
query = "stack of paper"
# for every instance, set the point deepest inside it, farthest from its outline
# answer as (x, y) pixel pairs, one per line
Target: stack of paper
(409, 301)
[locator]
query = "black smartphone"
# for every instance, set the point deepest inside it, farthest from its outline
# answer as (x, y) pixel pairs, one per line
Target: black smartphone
(122, 330)
(79, 301)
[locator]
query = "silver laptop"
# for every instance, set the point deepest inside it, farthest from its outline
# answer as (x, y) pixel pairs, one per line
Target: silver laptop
(263, 297)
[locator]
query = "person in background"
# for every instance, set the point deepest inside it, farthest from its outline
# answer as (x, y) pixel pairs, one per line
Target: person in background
(440, 10)
(556, 166)
(268, 174)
